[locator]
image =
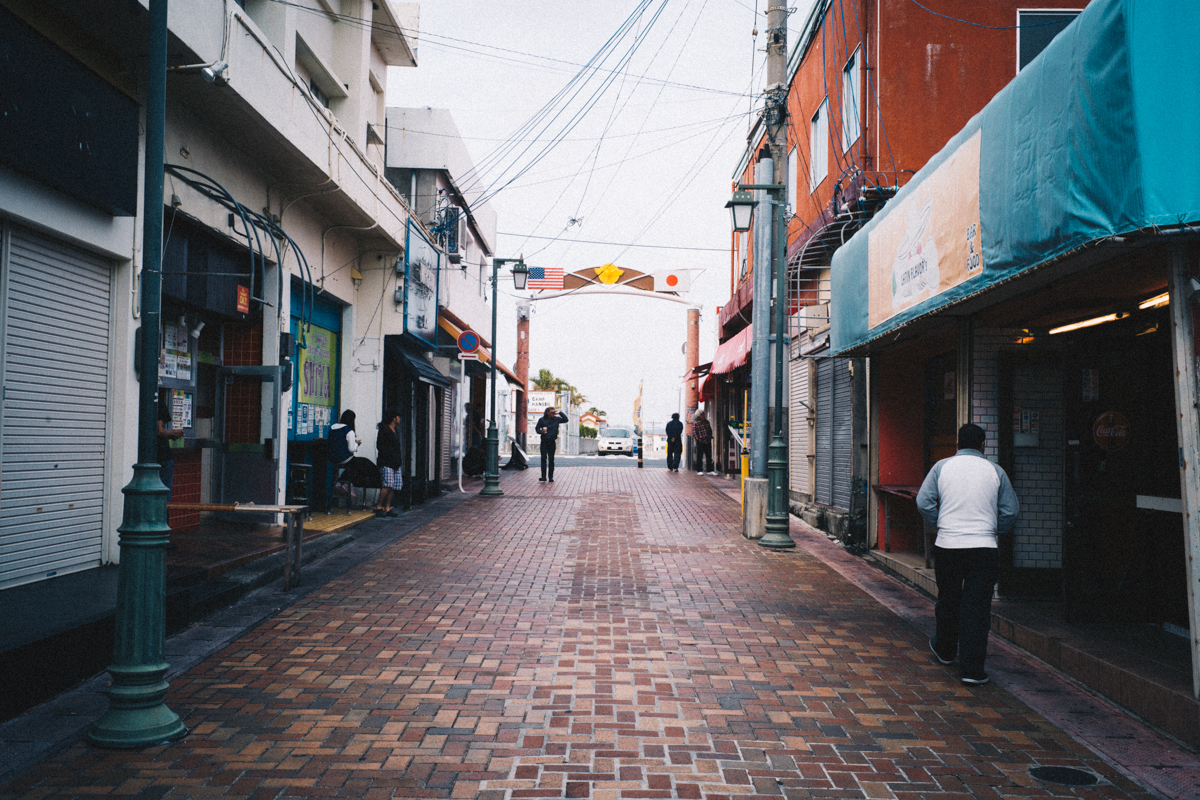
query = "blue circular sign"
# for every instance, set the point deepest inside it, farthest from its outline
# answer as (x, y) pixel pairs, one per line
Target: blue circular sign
(468, 341)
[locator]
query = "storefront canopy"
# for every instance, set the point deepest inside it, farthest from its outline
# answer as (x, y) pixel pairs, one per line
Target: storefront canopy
(1097, 137)
(454, 326)
(733, 353)
(421, 369)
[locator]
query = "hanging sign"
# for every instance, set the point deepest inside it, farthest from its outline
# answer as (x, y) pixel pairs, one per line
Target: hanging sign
(243, 299)
(1111, 430)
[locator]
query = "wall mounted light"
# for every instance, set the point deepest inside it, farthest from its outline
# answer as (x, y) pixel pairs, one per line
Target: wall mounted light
(1157, 301)
(195, 332)
(1088, 323)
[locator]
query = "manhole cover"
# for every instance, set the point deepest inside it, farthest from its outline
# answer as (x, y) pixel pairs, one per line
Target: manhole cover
(1068, 776)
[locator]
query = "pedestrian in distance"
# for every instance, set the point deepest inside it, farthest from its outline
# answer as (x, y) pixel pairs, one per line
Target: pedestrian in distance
(391, 462)
(702, 436)
(547, 426)
(971, 502)
(342, 441)
(674, 443)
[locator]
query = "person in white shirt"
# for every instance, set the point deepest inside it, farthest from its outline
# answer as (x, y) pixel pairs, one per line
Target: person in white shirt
(970, 501)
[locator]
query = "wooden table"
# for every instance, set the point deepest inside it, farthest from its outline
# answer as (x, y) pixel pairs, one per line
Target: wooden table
(293, 535)
(908, 493)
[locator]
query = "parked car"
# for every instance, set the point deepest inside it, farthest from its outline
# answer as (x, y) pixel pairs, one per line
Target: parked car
(615, 440)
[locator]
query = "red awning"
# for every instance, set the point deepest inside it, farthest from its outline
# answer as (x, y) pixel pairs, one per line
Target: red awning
(734, 352)
(707, 388)
(696, 372)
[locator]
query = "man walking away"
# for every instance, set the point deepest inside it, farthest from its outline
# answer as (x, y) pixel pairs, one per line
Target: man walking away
(970, 500)
(674, 443)
(702, 436)
(547, 426)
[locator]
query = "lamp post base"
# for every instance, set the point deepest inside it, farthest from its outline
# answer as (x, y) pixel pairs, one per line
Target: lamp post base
(491, 472)
(776, 536)
(137, 714)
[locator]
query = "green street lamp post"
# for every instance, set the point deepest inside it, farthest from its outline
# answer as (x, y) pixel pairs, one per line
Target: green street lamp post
(137, 714)
(491, 472)
(741, 205)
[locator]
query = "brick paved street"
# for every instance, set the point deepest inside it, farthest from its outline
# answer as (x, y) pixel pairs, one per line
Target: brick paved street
(610, 635)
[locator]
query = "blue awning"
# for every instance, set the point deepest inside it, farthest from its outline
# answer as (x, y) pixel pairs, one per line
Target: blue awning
(1097, 137)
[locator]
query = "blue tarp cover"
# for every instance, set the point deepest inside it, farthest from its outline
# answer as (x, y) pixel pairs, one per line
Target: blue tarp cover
(1098, 136)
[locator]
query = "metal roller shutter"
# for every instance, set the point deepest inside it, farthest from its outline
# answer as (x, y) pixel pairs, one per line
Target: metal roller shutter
(798, 427)
(823, 485)
(53, 419)
(447, 426)
(843, 439)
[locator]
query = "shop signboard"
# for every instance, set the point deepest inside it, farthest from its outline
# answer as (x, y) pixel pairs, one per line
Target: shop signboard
(930, 242)
(539, 401)
(421, 262)
(316, 367)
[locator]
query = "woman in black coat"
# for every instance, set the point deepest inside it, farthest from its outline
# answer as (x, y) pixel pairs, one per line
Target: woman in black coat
(391, 463)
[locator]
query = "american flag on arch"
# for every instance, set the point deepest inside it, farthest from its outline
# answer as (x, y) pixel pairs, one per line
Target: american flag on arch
(545, 278)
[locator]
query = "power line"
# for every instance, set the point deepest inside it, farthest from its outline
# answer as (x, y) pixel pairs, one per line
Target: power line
(621, 244)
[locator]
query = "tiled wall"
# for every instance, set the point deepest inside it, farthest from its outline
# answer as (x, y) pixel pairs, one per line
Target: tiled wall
(243, 398)
(186, 489)
(1038, 471)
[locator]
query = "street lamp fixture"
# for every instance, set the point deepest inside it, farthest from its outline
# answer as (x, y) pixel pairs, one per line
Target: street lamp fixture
(741, 208)
(491, 470)
(520, 275)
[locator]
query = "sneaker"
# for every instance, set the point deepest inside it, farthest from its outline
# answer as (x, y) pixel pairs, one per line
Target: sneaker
(699, 473)
(714, 472)
(552, 480)
(938, 656)
(541, 480)
(380, 513)
(393, 514)
(975, 680)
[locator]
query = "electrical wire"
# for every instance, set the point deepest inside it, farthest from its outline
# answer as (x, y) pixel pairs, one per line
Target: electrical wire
(622, 244)
(981, 25)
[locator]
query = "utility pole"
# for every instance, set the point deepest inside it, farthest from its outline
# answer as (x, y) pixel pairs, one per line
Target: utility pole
(776, 536)
(692, 360)
(522, 369)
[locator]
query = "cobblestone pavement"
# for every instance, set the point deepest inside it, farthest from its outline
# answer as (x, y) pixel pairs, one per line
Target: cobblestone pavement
(610, 635)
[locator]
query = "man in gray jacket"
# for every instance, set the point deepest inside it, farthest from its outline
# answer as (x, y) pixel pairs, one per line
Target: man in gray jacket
(970, 501)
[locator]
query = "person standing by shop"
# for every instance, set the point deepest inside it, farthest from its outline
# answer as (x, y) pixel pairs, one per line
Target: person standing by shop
(391, 463)
(702, 436)
(674, 443)
(547, 426)
(970, 501)
(342, 441)
(166, 459)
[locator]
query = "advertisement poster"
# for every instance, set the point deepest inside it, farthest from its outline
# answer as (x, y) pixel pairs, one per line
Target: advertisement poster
(929, 242)
(421, 287)
(317, 367)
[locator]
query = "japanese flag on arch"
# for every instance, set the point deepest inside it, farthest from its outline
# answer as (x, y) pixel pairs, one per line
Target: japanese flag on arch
(679, 280)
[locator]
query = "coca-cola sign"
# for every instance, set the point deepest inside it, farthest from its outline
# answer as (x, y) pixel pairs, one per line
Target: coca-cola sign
(1111, 430)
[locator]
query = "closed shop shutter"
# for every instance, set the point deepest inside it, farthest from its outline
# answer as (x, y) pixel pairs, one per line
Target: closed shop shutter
(842, 432)
(823, 488)
(798, 426)
(53, 418)
(447, 427)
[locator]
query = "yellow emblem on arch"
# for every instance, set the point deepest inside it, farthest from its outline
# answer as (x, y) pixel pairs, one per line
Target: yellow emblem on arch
(609, 273)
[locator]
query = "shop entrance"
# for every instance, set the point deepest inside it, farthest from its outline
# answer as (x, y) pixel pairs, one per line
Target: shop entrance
(247, 418)
(1123, 554)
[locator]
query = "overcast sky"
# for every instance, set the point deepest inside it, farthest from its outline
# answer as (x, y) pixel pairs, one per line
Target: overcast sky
(644, 155)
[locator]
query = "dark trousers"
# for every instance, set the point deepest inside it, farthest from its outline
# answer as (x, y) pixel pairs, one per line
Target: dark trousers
(674, 453)
(965, 579)
(703, 455)
(548, 448)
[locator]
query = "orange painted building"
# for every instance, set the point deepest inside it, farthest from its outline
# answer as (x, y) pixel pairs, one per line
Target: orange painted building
(875, 89)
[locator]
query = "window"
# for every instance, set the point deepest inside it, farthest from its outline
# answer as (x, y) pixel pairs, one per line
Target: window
(819, 146)
(1036, 29)
(792, 179)
(851, 90)
(322, 98)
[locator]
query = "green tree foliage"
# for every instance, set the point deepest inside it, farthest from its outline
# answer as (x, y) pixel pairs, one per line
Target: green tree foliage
(587, 433)
(546, 382)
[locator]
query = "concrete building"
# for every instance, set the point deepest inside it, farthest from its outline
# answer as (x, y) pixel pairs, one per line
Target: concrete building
(277, 209)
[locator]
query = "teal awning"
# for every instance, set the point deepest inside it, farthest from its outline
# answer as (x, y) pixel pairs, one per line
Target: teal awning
(1097, 137)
